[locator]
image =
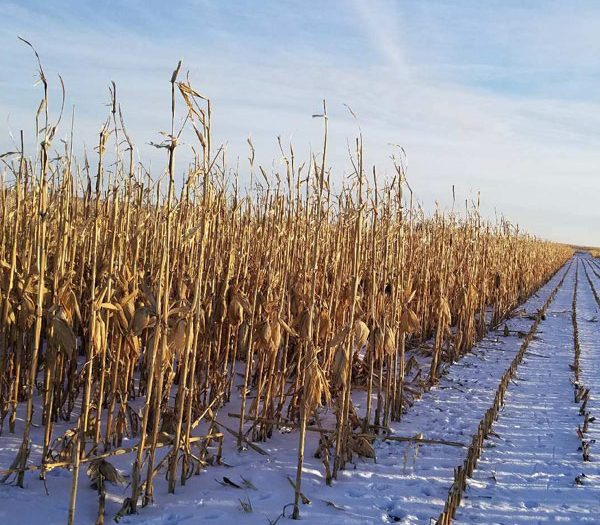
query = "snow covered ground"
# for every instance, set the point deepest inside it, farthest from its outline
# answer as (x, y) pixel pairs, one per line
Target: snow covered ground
(536, 449)
(528, 469)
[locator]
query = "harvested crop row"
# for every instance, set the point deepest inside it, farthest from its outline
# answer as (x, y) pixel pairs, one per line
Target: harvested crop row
(531, 468)
(582, 394)
(474, 452)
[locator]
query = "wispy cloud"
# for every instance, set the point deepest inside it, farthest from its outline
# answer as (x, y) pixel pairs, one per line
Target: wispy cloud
(489, 96)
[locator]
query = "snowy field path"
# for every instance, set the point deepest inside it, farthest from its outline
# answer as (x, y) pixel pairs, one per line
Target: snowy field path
(528, 469)
(589, 337)
(408, 483)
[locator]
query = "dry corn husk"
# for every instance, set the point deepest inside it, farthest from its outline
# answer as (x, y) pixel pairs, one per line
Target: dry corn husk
(128, 305)
(176, 337)
(409, 322)
(69, 304)
(315, 387)
(361, 334)
(99, 333)
(60, 335)
(376, 341)
(339, 367)
(263, 334)
(389, 341)
(235, 311)
(134, 345)
(122, 320)
(127, 310)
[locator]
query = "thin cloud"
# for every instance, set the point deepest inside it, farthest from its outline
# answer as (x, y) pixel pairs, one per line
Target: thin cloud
(532, 155)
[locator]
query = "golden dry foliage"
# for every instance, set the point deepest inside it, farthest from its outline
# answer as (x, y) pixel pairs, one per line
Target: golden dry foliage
(144, 288)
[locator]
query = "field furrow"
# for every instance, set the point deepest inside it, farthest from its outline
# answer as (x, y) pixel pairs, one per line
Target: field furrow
(531, 468)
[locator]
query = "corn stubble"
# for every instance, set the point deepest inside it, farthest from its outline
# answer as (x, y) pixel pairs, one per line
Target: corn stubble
(155, 306)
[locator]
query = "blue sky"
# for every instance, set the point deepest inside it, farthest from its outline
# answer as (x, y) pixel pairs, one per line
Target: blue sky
(496, 97)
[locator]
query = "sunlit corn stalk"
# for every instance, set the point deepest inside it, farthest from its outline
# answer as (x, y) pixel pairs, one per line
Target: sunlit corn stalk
(313, 293)
(309, 353)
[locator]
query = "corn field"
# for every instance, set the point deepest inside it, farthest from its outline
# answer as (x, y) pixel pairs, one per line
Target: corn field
(140, 308)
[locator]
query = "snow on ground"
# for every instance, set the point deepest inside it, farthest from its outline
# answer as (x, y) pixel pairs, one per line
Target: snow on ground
(528, 468)
(408, 483)
(588, 319)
